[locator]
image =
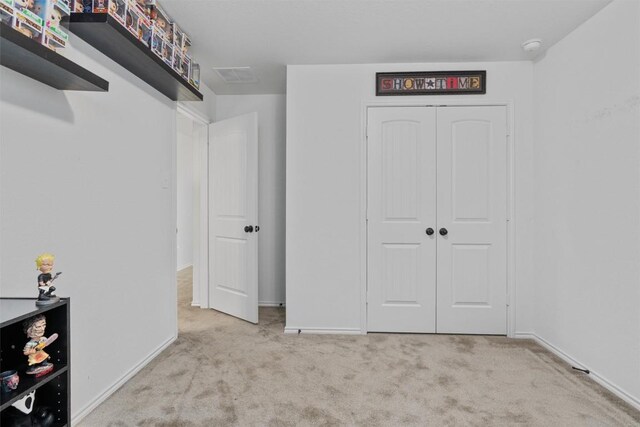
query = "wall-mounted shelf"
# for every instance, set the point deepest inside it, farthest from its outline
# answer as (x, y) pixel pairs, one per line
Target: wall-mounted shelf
(28, 57)
(111, 38)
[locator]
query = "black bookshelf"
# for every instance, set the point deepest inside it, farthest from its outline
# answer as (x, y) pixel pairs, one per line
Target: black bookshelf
(107, 35)
(26, 56)
(53, 390)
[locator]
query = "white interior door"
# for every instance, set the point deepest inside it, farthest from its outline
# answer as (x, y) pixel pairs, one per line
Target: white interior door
(233, 216)
(437, 263)
(401, 207)
(472, 208)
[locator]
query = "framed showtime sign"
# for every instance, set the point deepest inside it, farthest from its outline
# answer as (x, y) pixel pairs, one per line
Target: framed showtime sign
(431, 83)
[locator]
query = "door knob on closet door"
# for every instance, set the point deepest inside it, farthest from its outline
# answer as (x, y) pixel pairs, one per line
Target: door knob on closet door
(248, 228)
(430, 231)
(443, 232)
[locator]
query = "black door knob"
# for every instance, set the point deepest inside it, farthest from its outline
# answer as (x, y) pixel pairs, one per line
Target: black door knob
(443, 232)
(257, 228)
(430, 231)
(248, 228)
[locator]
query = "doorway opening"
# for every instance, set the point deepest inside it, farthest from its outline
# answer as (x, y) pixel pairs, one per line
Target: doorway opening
(191, 169)
(217, 218)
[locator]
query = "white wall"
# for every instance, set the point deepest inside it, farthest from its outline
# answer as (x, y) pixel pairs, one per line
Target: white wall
(89, 177)
(325, 185)
(271, 186)
(587, 196)
(185, 191)
(205, 109)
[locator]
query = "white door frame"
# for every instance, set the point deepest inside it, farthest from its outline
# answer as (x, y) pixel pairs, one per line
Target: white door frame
(201, 223)
(511, 237)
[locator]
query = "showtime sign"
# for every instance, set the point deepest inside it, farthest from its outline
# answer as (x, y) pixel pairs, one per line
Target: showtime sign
(431, 83)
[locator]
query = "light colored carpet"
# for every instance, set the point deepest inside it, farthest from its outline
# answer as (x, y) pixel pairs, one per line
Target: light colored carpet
(225, 372)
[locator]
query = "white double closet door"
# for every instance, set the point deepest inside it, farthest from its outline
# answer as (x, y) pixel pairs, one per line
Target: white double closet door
(437, 219)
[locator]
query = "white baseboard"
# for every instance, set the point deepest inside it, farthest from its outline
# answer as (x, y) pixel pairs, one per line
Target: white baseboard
(334, 331)
(260, 304)
(271, 304)
(524, 335)
(573, 362)
(76, 418)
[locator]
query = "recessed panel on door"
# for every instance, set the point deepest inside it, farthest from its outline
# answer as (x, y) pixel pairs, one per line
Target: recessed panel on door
(400, 269)
(230, 265)
(471, 166)
(229, 170)
(400, 169)
(470, 278)
(401, 206)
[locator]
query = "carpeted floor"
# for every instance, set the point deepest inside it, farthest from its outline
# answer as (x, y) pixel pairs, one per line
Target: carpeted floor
(225, 372)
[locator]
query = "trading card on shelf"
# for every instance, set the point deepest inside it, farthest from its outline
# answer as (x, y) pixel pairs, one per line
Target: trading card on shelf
(172, 33)
(82, 6)
(53, 38)
(39, 8)
(167, 52)
(55, 11)
(26, 20)
(149, 7)
(138, 4)
(176, 35)
(161, 19)
(186, 43)
(144, 28)
(100, 6)
(194, 77)
(54, 35)
(118, 9)
(157, 40)
(7, 12)
(180, 38)
(77, 6)
(186, 67)
(132, 19)
(177, 60)
(145, 6)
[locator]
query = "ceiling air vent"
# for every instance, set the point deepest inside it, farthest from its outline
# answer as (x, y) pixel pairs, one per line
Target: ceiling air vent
(236, 74)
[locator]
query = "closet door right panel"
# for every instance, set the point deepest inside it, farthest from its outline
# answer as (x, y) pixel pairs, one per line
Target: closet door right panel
(472, 220)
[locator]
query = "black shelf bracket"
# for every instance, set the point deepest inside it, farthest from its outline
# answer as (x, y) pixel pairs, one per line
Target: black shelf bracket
(108, 36)
(26, 56)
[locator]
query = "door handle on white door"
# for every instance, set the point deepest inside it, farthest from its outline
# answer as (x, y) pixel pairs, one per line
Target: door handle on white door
(429, 231)
(248, 228)
(443, 232)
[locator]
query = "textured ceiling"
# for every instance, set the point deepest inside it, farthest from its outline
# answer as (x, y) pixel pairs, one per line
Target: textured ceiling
(269, 34)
